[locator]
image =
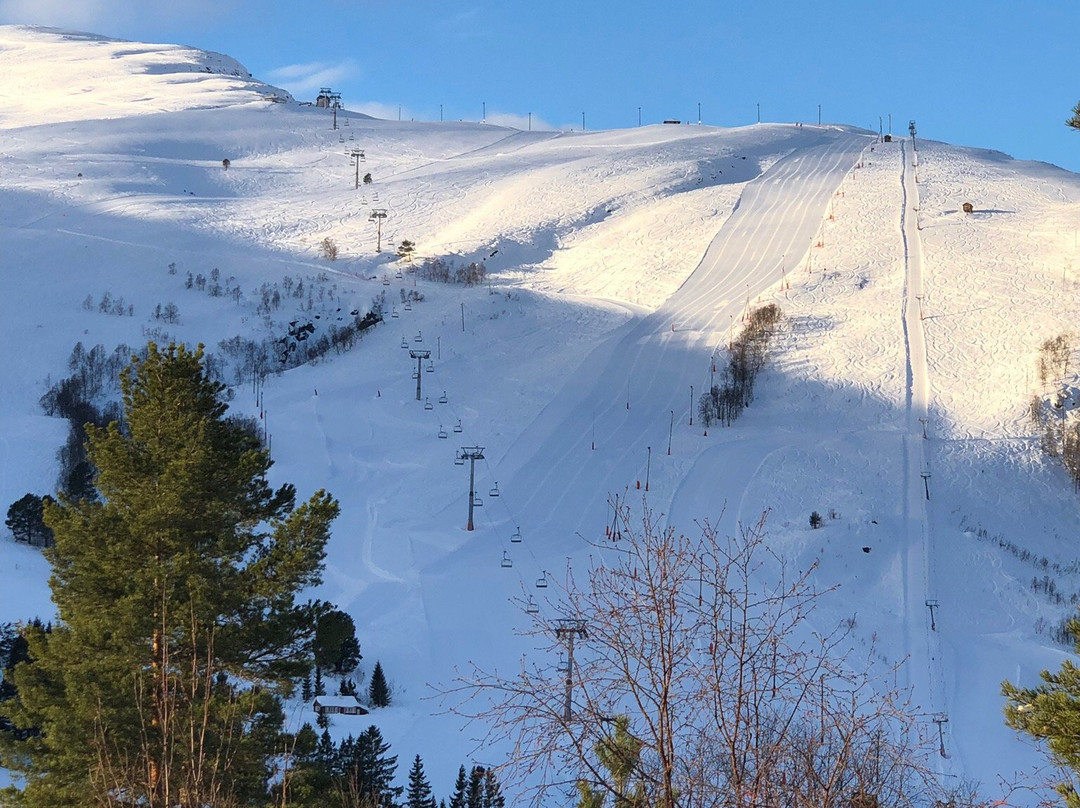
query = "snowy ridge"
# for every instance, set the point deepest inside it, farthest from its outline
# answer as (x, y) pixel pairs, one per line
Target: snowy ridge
(52, 75)
(619, 265)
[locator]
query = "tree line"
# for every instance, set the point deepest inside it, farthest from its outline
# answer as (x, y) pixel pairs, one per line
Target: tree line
(746, 356)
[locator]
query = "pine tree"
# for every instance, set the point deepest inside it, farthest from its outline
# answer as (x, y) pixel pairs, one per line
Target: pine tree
(378, 690)
(320, 685)
(1074, 121)
(367, 771)
(305, 689)
(418, 794)
(457, 799)
(493, 796)
(25, 520)
(336, 647)
(1050, 713)
(474, 793)
(176, 593)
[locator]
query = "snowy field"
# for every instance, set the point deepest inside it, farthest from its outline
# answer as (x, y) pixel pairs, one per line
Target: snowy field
(619, 264)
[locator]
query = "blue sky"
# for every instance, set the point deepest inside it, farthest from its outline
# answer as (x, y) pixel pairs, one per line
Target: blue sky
(998, 74)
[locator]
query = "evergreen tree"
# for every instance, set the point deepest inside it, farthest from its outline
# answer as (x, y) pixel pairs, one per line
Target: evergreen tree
(1074, 121)
(493, 796)
(367, 771)
(176, 593)
(418, 794)
(305, 689)
(336, 648)
(378, 690)
(347, 688)
(307, 781)
(25, 520)
(1050, 713)
(13, 650)
(320, 686)
(474, 792)
(457, 799)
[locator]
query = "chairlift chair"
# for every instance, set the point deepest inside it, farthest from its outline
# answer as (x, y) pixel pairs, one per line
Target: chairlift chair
(531, 607)
(419, 336)
(427, 403)
(415, 375)
(563, 666)
(408, 306)
(442, 433)
(457, 426)
(398, 274)
(477, 502)
(494, 492)
(404, 343)
(393, 313)
(443, 399)
(430, 367)
(515, 537)
(506, 563)
(386, 281)
(541, 582)
(459, 461)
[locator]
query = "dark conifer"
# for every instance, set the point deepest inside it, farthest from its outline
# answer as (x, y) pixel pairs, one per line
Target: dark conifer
(418, 794)
(187, 567)
(379, 690)
(474, 792)
(457, 799)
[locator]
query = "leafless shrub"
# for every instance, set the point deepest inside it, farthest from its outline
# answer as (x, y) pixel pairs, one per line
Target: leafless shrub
(698, 660)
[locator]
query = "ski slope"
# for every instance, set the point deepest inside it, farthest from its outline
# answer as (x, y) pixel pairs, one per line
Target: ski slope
(620, 264)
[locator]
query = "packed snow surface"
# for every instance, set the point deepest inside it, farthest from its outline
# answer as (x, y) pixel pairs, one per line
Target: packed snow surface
(619, 265)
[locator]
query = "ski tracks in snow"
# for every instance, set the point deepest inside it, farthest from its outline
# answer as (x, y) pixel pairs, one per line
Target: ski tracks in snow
(925, 673)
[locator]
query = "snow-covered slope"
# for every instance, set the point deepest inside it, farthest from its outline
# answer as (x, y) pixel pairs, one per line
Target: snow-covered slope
(51, 76)
(619, 264)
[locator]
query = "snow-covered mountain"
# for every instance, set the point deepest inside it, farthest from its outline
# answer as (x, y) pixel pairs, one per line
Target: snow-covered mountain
(618, 263)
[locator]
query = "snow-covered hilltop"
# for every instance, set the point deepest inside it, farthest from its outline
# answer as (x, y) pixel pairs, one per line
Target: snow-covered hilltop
(619, 265)
(51, 75)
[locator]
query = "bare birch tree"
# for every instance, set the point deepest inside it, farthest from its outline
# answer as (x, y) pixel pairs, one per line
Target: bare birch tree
(698, 681)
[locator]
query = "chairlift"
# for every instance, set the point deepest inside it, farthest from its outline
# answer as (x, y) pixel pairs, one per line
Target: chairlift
(541, 582)
(404, 343)
(430, 367)
(385, 281)
(563, 666)
(419, 336)
(427, 403)
(515, 537)
(393, 313)
(506, 563)
(415, 375)
(531, 607)
(346, 122)
(341, 138)
(398, 274)
(459, 461)
(408, 305)
(457, 426)
(351, 136)
(442, 433)
(494, 492)
(477, 502)
(443, 399)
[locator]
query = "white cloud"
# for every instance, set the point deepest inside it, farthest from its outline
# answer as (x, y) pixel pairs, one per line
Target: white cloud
(516, 121)
(112, 17)
(304, 80)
